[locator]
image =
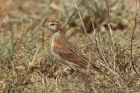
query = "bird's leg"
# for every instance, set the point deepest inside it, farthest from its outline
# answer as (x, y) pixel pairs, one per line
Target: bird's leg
(74, 70)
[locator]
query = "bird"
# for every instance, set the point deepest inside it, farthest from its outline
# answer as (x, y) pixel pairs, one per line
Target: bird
(64, 51)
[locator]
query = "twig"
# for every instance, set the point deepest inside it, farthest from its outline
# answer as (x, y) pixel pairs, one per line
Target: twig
(108, 4)
(112, 44)
(113, 73)
(132, 35)
(88, 45)
(100, 52)
(72, 15)
(110, 69)
(82, 21)
(96, 39)
(4, 30)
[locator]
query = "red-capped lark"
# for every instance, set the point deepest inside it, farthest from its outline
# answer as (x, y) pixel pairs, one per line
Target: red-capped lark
(64, 51)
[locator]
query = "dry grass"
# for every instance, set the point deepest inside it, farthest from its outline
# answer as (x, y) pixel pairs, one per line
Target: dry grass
(26, 64)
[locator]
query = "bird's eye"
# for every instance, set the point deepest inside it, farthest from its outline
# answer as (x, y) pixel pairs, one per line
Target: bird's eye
(51, 24)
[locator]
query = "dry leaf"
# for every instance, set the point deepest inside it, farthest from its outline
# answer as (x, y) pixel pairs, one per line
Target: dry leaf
(19, 69)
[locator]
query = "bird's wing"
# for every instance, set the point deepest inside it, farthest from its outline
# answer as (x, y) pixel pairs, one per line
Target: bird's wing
(70, 54)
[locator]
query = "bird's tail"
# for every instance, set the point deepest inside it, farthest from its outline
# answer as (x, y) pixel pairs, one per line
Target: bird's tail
(96, 68)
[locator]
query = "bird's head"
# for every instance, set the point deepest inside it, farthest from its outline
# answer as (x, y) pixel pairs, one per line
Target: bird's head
(53, 26)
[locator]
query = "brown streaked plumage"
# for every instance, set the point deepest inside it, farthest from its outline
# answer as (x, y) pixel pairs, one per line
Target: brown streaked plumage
(64, 51)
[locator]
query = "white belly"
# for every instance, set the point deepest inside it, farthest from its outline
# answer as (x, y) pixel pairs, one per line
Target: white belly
(71, 64)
